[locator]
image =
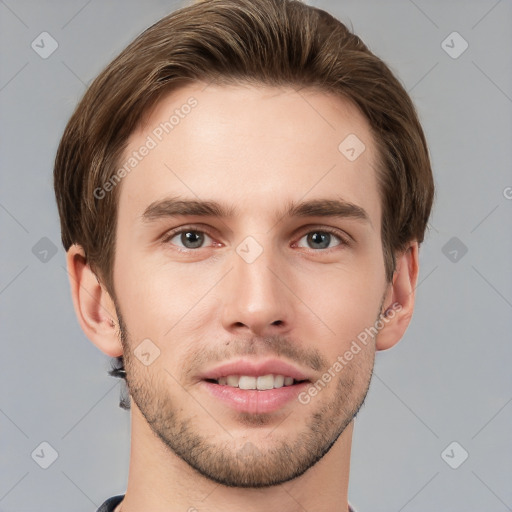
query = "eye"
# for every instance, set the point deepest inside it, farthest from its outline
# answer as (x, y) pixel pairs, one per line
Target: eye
(187, 238)
(322, 239)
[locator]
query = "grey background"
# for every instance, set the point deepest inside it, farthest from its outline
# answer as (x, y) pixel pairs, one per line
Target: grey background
(448, 380)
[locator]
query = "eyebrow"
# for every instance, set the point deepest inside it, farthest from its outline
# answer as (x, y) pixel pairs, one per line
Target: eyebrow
(173, 207)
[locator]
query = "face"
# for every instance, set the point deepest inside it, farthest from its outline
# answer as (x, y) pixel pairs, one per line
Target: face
(249, 256)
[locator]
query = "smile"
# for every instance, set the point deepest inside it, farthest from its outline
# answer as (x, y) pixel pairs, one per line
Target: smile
(261, 383)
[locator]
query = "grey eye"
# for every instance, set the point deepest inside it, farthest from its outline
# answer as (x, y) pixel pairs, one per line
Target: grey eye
(320, 239)
(189, 239)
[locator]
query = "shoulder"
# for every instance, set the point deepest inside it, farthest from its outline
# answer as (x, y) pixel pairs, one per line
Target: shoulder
(111, 503)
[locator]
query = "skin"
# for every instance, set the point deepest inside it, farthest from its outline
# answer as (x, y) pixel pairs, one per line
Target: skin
(254, 149)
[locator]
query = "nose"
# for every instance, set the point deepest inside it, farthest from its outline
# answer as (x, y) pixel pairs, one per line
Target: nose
(256, 298)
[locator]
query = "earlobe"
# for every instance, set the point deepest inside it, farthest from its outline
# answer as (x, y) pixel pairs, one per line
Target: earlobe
(399, 301)
(93, 305)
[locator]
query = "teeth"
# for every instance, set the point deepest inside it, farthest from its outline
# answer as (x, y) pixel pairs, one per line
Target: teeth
(263, 382)
(247, 382)
(278, 381)
(232, 380)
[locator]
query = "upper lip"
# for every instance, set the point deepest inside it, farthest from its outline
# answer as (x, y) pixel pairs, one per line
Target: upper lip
(255, 369)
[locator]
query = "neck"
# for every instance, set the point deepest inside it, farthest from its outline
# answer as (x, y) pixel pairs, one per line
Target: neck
(160, 481)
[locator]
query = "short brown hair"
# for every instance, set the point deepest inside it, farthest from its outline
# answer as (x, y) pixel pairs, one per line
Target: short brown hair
(268, 42)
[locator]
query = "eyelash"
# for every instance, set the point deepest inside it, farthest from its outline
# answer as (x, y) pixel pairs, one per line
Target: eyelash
(344, 240)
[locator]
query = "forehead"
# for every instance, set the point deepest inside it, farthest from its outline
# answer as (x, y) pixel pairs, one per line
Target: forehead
(252, 148)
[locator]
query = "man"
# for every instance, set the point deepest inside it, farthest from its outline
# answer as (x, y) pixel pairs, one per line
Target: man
(242, 194)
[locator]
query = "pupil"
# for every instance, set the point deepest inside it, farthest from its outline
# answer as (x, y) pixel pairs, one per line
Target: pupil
(191, 239)
(320, 238)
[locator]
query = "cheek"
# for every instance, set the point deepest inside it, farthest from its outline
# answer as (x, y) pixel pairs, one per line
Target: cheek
(141, 295)
(159, 299)
(346, 301)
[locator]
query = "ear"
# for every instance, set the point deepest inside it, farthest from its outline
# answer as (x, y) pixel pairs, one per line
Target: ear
(94, 307)
(399, 300)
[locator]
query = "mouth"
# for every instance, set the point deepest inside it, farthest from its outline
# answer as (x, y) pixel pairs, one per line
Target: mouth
(261, 382)
(255, 387)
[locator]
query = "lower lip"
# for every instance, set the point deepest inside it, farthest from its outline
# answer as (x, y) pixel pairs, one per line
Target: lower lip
(253, 401)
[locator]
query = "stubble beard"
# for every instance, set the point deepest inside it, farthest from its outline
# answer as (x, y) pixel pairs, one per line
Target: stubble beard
(239, 463)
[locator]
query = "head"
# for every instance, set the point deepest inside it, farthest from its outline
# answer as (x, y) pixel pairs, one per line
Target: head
(296, 162)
